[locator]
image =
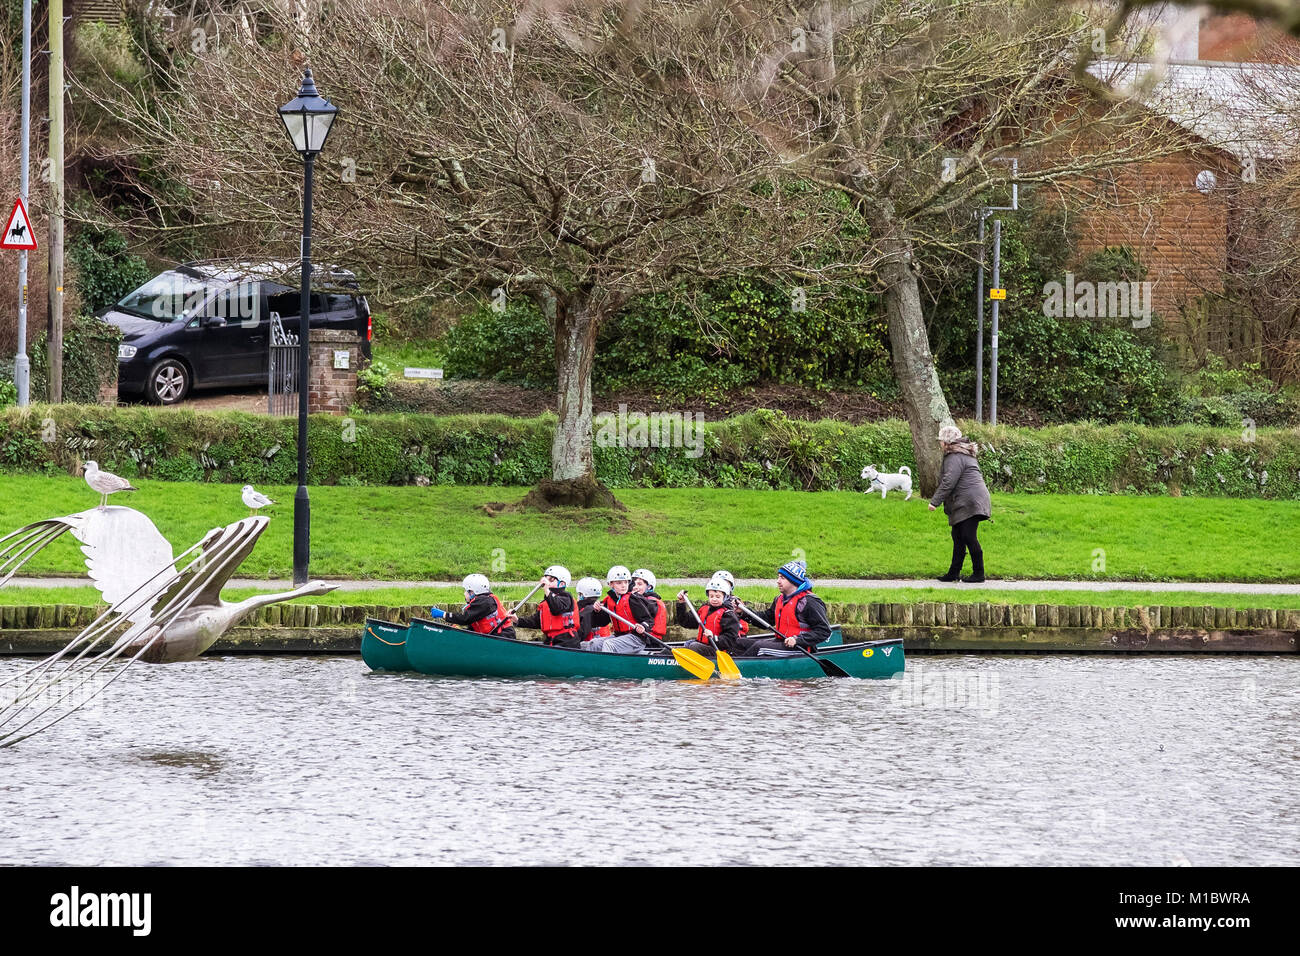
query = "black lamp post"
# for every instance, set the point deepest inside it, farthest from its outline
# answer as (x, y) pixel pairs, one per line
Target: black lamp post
(307, 118)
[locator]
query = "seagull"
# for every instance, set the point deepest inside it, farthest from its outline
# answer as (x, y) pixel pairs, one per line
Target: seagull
(104, 482)
(255, 499)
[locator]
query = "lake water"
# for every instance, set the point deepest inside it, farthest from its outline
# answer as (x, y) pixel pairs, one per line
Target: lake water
(970, 760)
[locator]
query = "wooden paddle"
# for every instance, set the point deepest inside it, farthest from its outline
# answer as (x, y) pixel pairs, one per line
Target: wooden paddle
(829, 669)
(697, 664)
(727, 668)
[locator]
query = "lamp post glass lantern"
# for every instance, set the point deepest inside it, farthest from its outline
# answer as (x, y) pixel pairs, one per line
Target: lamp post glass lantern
(308, 119)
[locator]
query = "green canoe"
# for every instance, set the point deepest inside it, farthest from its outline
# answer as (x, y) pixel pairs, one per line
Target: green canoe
(431, 648)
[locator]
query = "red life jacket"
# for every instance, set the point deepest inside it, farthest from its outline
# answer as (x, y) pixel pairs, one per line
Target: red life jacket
(660, 626)
(553, 625)
(787, 625)
(712, 618)
(493, 622)
(619, 607)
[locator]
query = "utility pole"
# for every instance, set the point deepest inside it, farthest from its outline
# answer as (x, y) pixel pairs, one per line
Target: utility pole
(979, 325)
(982, 213)
(22, 367)
(56, 202)
(997, 284)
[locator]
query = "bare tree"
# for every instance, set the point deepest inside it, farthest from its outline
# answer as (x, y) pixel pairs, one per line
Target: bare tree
(575, 153)
(582, 152)
(912, 110)
(1264, 254)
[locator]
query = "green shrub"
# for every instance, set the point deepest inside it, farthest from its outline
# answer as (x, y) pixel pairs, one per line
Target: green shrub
(761, 449)
(374, 378)
(1065, 369)
(1220, 395)
(111, 50)
(513, 345)
(1217, 377)
(728, 335)
(104, 271)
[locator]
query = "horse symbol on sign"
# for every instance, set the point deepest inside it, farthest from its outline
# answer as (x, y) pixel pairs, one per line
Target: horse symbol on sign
(18, 230)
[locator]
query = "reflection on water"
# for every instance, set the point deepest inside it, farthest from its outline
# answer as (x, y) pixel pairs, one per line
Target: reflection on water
(199, 761)
(1044, 760)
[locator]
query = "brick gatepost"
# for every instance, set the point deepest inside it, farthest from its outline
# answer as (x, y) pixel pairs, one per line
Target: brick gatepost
(329, 389)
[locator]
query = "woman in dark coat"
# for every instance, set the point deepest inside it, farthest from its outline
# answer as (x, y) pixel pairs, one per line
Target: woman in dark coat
(965, 499)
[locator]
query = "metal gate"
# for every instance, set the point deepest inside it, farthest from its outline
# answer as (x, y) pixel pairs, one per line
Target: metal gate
(282, 383)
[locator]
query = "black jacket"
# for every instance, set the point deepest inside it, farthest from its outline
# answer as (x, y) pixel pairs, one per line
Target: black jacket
(479, 607)
(559, 600)
(587, 609)
(644, 610)
(728, 636)
(810, 612)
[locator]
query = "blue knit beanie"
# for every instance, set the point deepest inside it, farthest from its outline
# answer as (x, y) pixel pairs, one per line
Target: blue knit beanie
(794, 571)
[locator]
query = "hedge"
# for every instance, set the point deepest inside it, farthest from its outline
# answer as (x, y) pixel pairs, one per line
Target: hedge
(89, 361)
(761, 449)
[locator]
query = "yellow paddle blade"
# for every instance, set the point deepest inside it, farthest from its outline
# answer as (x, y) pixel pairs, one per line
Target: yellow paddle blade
(698, 665)
(727, 668)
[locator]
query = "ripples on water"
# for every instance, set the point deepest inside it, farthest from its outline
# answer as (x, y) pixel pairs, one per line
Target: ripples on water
(976, 760)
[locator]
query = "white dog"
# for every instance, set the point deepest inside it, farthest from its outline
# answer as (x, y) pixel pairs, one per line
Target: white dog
(900, 481)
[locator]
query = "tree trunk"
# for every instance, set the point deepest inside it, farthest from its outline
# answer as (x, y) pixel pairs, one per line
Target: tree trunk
(575, 349)
(923, 399)
(573, 476)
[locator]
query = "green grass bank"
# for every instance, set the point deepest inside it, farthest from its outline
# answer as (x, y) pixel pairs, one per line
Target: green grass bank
(442, 533)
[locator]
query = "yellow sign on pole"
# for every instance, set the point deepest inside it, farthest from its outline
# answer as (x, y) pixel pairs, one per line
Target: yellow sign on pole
(997, 293)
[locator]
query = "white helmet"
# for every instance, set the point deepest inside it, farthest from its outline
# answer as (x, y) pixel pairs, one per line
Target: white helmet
(477, 584)
(588, 587)
(646, 576)
(718, 583)
(726, 576)
(618, 573)
(559, 572)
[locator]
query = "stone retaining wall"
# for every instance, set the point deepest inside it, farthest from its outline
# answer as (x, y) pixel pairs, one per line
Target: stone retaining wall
(925, 614)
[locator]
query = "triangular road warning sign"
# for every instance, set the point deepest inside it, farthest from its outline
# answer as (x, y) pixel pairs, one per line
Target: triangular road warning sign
(18, 232)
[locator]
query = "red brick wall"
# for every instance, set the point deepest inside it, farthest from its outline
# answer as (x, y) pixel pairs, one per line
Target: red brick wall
(1152, 206)
(1180, 234)
(1236, 37)
(329, 389)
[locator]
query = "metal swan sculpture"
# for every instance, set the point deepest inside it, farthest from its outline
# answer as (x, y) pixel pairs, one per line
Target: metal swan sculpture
(161, 609)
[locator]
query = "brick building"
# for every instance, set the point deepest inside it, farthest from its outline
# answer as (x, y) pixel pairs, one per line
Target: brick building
(1179, 212)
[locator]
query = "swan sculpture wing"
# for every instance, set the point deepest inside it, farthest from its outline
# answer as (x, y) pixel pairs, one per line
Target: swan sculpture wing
(161, 607)
(123, 549)
(223, 551)
(157, 613)
(18, 547)
(124, 553)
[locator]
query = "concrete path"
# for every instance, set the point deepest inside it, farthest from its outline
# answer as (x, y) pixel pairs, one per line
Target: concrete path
(669, 585)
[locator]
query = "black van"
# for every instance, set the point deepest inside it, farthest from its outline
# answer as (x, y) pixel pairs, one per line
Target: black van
(205, 324)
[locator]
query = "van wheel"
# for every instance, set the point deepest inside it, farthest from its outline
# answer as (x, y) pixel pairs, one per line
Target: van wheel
(168, 382)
